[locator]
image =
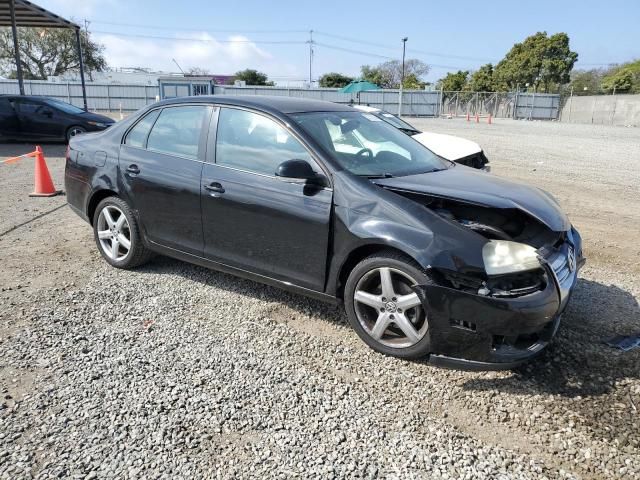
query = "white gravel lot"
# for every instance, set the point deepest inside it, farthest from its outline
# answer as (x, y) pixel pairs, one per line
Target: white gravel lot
(175, 371)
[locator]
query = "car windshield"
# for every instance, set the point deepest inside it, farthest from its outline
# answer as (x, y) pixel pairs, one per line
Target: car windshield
(64, 106)
(397, 122)
(365, 145)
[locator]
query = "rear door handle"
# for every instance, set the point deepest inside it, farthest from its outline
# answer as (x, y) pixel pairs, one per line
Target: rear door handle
(214, 187)
(133, 169)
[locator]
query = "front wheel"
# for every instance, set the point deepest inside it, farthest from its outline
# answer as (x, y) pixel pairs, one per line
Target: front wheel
(117, 234)
(383, 308)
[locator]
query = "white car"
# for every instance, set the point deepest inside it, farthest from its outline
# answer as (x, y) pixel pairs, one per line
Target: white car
(456, 149)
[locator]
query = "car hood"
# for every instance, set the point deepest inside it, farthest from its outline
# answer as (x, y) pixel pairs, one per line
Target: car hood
(477, 187)
(447, 146)
(96, 117)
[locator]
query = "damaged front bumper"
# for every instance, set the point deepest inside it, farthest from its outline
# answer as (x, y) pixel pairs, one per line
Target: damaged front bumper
(476, 332)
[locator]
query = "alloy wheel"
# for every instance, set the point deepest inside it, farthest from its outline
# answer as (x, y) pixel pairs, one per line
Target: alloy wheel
(114, 233)
(388, 309)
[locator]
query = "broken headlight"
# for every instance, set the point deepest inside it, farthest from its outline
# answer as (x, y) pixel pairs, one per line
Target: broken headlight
(502, 256)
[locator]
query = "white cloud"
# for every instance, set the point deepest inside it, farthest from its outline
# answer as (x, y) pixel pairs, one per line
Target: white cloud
(76, 9)
(204, 51)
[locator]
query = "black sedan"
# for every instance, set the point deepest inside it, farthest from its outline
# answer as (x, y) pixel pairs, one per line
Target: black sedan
(430, 258)
(45, 119)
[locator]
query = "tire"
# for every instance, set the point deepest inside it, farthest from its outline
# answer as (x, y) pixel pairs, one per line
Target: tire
(114, 221)
(74, 130)
(381, 322)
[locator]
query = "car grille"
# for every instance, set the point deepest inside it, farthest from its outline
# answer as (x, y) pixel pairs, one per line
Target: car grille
(563, 263)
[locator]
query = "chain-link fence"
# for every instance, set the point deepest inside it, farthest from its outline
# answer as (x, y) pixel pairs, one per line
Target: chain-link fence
(531, 106)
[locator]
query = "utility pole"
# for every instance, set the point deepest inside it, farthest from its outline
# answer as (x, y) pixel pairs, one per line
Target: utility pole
(16, 49)
(310, 58)
(86, 39)
(404, 46)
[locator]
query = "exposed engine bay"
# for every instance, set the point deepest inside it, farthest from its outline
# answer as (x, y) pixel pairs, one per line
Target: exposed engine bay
(493, 224)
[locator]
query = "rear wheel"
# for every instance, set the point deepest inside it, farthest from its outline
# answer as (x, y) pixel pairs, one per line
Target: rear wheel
(117, 234)
(383, 308)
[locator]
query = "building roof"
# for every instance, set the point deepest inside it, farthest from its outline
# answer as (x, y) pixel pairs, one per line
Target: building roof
(267, 102)
(31, 15)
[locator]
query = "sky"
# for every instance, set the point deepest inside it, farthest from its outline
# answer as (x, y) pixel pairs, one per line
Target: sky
(272, 36)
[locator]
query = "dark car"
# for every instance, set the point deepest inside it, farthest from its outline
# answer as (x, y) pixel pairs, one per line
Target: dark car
(430, 258)
(45, 119)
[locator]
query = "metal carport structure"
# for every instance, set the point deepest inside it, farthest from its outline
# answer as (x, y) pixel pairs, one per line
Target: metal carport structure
(22, 13)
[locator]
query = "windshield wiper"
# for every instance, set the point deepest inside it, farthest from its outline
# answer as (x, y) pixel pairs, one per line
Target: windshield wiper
(378, 175)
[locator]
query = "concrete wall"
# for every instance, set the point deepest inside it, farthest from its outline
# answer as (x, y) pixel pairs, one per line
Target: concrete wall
(602, 110)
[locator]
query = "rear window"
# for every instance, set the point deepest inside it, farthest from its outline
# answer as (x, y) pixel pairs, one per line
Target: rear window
(137, 136)
(177, 131)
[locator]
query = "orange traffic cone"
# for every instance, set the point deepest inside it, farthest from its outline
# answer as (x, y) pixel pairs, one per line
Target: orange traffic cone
(489, 119)
(43, 183)
(477, 118)
(468, 118)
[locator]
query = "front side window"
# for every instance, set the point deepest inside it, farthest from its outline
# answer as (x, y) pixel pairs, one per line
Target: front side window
(177, 131)
(137, 136)
(253, 142)
(366, 145)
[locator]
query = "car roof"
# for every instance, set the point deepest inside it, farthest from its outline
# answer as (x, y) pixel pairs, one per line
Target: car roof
(265, 102)
(367, 108)
(27, 97)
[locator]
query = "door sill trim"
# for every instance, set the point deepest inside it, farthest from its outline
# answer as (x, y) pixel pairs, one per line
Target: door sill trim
(239, 272)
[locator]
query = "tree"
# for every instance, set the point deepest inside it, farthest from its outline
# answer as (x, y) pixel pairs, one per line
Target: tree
(482, 79)
(542, 61)
(585, 82)
(389, 74)
(47, 52)
(623, 78)
(454, 82)
(198, 71)
(253, 77)
(412, 82)
(334, 80)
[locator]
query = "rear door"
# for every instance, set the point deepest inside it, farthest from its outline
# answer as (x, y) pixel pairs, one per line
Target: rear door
(161, 162)
(9, 124)
(252, 219)
(37, 119)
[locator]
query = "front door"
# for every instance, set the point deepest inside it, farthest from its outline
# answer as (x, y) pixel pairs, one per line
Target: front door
(254, 220)
(160, 170)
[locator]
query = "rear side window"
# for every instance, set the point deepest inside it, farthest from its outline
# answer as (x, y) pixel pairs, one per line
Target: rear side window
(26, 107)
(255, 143)
(137, 136)
(5, 106)
(177, 131)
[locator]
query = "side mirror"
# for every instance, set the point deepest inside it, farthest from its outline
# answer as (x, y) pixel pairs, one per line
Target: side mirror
(296, 171)
(47, 112)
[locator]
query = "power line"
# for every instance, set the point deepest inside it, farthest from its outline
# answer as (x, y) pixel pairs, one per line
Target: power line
(160, 27)
(206, 40)
(350, 50)
(389, 47)
(293, 42)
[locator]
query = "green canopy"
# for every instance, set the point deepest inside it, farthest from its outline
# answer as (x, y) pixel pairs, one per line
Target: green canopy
(358, 86)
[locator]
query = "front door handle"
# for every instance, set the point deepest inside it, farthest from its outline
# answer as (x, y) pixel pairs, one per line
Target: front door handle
(133, 169)
(214, 187)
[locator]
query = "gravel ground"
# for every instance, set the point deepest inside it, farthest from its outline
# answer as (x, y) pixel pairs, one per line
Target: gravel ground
(174, 371)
